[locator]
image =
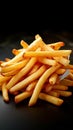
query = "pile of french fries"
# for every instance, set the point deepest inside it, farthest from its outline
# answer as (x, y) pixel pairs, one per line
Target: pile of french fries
(37, 71)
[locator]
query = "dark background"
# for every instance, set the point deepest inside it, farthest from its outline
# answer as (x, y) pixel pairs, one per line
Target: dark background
(53, 20)
(35, 16)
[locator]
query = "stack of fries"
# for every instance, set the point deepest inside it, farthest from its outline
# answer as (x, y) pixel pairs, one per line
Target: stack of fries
(37, 71)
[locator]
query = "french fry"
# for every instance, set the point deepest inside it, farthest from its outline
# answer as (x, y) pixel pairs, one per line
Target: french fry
(54, 93)
(57, 45)
(23, 44)
(35, 68)
(62, 60)
(51, 99)
(53, 78)
(31, 86)
(47, 87)
(4, 78)
(70, 76)
(48, 61)
(5, 92)
(16, 52)
(15, 67)
(60, 87)
(60, 71)
(64, 93)
(66, 82)
(54, 53)
(20, 97)
(17, 58)
(10, 73)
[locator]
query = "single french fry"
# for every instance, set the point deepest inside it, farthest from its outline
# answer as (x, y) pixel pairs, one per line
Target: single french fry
(23, 44)
(64, 93)
(17, 51)
(51, 99)
(47, 87)
(10, 73)
(53, 78)
(70, 76)
(66, 82)
(70, 66)
(54, 93)
(15, 67)
(40, 83)
(20, 97)
(31, 86)
(35, 44)
(48, 61)
(5, 92)
(60, 87)
(37, 36)
(62, 60)
(35, 68)
(17, 58)
(42, 44)
(54, 53)
(4, 78)
(57, 45)
(71, 70)
(61, 71)
(7, 59)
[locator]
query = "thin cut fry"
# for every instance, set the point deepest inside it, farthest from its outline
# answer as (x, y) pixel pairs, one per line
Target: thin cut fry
(57, 45)
(54, 53)
(53, 78)
(51, 99)
(60, 87)
(5, 92)
(23, 44)
(66, 82)
(20, 97)
(48, 61)
(64, 93)
(54, 93)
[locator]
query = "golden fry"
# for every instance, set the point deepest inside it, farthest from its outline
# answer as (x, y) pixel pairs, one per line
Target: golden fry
(60, 87)
(15, 67)
(23, 44)
(66, 82)
(57, 45)
(51, 99)
(62, 60)
(48, 61)
(57, 53)
(54, 93)
(53, 78)
(20, 97)
(5, 92)
(64, 93)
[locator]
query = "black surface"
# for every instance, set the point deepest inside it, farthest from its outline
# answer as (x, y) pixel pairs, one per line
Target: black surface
(43, 114)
